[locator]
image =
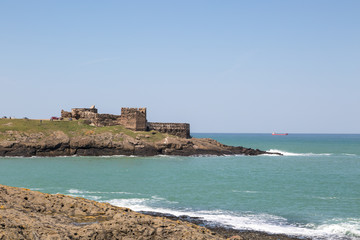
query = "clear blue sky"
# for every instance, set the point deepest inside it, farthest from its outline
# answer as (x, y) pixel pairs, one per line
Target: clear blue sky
(222, 66)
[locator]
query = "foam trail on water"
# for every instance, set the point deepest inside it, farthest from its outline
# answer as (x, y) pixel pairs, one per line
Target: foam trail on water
(244, 191)
(77, 191)
(343, 229)
(297, 154)
(94, 195)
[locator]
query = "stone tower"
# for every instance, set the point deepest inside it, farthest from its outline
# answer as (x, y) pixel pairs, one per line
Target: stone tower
(134, 118)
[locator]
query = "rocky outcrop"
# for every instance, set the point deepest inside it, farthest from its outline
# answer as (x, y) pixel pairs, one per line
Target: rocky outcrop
(176, 129)
(28, 214)
(107, 143)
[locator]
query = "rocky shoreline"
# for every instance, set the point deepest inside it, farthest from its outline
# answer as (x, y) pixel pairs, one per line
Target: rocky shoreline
(226, 231)
(26, 214)
(104, 144)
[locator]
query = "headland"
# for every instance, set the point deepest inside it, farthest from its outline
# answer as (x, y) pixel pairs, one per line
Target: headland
(85, 132)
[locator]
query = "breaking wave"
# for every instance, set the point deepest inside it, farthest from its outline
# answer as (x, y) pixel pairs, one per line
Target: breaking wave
(76, 191)
(334, 229)
(297, 154)
(96, 195)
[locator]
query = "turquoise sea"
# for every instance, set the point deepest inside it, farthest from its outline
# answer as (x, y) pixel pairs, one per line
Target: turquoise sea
(311, 191)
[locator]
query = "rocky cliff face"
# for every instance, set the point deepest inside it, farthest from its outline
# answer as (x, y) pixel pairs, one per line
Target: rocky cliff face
(107, 143)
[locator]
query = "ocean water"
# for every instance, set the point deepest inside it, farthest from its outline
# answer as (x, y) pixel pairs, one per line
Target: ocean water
(311, 191)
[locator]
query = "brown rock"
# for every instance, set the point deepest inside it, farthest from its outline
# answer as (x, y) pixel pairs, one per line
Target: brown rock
(107, 143)
(28, 214)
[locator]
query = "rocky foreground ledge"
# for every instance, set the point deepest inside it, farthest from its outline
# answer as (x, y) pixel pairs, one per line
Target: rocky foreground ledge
(30, 138)
(26, 214)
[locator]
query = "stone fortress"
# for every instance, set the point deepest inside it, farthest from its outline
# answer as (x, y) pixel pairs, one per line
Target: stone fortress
(131, 118)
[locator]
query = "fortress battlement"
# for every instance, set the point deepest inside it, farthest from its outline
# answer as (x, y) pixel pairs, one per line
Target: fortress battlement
(131, 118)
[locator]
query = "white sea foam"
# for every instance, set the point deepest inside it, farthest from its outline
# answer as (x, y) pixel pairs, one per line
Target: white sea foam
(91, 197)
(296, 154)
(111, 156)
(165, 156)
(326, 198)
(350, 154)
(342, 229)
(244, 191)
(92, 194)
(350, 227)
(126, 193)
(77, 191)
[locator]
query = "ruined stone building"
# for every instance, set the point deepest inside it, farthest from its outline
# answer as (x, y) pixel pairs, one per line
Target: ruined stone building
(131, 118)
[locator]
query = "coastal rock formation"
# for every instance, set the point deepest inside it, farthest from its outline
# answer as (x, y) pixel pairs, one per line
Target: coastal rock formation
(107, 143)
(26, 214)
(24, 137)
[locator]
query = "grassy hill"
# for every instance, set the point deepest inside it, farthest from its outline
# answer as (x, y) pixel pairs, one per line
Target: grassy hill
(70, 128)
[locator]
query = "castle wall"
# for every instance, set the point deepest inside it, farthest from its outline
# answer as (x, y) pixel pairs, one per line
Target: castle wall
(131, 118)
(102, 120)
(83, 113)
(91, 115)
(177, 129)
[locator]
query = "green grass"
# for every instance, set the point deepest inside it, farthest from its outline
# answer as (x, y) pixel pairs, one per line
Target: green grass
(71, 128)
(44, 126)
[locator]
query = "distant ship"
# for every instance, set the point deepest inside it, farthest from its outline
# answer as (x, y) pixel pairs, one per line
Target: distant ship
(283, 134)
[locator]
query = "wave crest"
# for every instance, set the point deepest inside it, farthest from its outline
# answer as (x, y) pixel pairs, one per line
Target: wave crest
(297, 154)
(342, 229)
